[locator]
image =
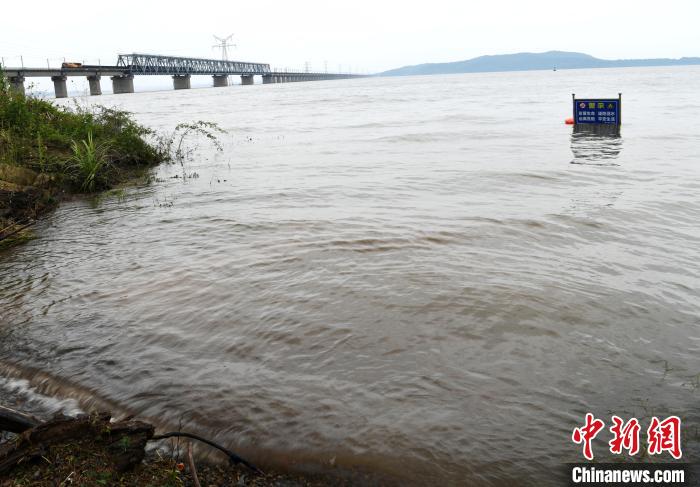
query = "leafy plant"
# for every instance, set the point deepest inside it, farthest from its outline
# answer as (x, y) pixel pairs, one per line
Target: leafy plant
(125, 443)
(90, 159)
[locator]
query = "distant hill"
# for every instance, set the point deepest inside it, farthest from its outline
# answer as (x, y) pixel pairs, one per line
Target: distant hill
(527, 61)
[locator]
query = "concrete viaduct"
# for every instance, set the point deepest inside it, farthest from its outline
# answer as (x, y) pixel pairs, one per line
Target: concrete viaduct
(180, 68)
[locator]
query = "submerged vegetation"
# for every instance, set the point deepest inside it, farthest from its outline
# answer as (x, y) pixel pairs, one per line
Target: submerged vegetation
(184, 130)
(47, 151)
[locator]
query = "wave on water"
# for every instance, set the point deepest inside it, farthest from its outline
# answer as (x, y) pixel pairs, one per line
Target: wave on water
(402, 276)
(43, 395)
(18, 394)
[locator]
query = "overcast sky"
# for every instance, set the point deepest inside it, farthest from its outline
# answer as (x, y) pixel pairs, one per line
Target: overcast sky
(366, 35)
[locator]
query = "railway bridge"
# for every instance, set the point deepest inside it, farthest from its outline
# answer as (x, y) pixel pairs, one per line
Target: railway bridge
(180, 68)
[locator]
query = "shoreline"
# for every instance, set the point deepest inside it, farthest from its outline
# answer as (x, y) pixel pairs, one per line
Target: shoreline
(50, 152)
(61, 398)
(22, 205)
(34, 180)
(97, 449)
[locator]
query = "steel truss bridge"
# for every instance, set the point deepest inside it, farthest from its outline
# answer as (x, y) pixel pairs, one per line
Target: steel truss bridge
(154, 64)
(180, 68)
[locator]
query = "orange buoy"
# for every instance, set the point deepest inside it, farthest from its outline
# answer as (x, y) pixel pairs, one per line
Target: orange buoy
(569, 121)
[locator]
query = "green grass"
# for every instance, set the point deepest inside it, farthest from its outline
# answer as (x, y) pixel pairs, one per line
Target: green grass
(90, 159)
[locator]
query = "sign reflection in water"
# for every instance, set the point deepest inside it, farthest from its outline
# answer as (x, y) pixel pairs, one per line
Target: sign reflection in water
(598, 145)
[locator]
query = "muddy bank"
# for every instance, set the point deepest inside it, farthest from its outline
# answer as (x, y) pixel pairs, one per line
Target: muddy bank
(96, 450)
(24, 196)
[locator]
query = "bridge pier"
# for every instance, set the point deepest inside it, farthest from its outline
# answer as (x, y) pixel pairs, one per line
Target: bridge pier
(247, 79)
(94, 82)
(181, 81)
(268, 79)
(220, 80)
(59, 86)
(123, 84)
(17, 83)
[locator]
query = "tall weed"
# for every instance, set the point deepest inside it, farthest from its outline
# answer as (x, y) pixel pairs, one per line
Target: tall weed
(90, 160)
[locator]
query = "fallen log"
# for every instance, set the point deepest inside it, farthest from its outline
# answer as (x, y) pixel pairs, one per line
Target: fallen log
(125, 440)
(16, 422)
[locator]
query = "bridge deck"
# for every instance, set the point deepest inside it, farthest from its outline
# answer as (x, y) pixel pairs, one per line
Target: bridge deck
(82, 71)
(121, 71)
(152, 64)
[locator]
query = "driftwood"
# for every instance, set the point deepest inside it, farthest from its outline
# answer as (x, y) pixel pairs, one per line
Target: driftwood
(16, 422)
(16, 230)
(125, 440)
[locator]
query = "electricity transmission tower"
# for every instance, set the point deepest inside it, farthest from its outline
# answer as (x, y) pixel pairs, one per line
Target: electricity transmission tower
(223, 44)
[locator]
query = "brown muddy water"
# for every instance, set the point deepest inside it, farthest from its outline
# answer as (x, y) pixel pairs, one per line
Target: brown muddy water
(429, 279)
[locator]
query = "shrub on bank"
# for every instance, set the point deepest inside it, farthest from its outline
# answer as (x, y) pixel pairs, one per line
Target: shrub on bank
(84, 150)
(46, 150)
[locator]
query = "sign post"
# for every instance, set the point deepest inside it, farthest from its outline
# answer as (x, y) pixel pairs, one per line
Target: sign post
(598, 111)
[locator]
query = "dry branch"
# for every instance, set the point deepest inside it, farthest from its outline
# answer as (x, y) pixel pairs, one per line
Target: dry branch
(193, 469)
